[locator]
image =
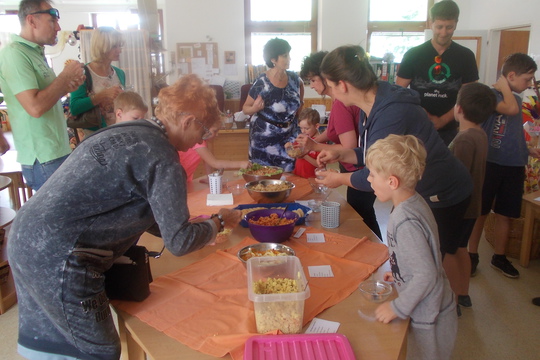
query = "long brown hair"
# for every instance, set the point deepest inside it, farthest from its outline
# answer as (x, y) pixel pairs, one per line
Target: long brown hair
(349, 63)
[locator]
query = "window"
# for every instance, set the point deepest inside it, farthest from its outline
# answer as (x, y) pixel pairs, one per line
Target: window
(294, 21)
(395, 26)
(128, 21)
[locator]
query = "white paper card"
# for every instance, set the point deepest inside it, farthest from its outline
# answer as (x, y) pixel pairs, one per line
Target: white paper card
(219, 199)
(320, 271)
(299, 232)
(302, 202)
(315, 238)
(320, 326)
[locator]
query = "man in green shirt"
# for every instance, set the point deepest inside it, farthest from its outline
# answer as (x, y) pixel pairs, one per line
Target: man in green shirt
(32, 92)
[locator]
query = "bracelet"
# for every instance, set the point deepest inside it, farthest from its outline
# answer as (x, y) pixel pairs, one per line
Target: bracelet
(221, 222)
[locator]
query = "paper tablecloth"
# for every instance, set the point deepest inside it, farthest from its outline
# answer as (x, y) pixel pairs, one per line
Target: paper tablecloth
(205, 305)
(197, 199)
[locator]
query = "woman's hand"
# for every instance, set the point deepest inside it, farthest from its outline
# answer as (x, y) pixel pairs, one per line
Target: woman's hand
(231, 217)
(106, 97)
(258, 104)
(244, 164)
(328, 156)
(306, 143)
(384, 313)
(330, 178)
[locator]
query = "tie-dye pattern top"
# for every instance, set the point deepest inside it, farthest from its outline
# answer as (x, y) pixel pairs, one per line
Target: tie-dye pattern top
(276, 124)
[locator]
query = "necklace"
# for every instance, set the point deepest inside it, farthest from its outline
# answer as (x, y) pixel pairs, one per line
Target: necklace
(160, 124)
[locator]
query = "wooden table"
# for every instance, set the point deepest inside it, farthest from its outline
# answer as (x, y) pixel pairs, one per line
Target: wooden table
(369, 340)
(8, 297)
(532, 210)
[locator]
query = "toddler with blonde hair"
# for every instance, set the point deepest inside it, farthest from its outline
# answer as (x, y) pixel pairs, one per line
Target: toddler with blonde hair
(396, 164)
(129, 106)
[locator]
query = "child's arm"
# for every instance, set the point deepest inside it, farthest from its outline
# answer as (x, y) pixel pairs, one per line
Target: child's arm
(211, 160)
(508, 105)
(384, 313)
(310, 160)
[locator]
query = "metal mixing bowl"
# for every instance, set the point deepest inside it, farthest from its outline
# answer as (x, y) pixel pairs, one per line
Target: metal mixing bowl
(263, 247)
(266, 197)
(250, 177)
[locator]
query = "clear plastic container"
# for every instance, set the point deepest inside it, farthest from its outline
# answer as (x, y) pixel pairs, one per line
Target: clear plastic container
(283, 311)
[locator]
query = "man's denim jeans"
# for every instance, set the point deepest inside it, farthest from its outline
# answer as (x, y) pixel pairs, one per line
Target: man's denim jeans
(36, 175)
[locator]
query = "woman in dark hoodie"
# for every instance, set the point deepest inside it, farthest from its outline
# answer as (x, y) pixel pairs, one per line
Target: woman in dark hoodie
(390, 109)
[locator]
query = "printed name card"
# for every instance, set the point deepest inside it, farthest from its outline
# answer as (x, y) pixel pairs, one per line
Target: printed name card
(315, 238)
(320, 326)
(320, 271)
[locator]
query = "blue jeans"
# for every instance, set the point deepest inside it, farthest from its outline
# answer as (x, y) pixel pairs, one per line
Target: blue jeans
(36, 175)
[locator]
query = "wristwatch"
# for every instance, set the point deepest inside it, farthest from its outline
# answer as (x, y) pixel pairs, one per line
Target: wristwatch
(221, 222)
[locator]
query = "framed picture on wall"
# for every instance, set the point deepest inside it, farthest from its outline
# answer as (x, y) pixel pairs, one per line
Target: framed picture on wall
(230, 57)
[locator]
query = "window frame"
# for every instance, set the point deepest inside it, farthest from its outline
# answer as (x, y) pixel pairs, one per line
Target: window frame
(396, 26)
(279, 27)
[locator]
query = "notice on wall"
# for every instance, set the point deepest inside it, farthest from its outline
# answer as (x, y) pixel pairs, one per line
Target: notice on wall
(197, 58)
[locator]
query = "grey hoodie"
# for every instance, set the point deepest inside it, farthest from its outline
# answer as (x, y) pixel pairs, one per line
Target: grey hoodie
(397, 110)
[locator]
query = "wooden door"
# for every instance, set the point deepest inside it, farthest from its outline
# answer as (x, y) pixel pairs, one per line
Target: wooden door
(512, 41)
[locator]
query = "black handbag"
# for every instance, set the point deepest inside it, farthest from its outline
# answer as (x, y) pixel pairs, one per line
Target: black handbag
(129, 280)
(87, 119)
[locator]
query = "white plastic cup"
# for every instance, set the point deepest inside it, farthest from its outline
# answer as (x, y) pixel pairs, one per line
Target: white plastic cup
(215, 184)
(330, 214)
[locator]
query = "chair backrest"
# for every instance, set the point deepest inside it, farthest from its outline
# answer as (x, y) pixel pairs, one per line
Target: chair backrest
(244, 90)
(220, 96)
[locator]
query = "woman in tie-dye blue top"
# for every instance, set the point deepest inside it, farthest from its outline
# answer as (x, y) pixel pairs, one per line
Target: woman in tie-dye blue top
(274, 100)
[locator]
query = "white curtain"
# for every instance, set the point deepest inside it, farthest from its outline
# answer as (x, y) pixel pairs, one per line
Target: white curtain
(134, 60)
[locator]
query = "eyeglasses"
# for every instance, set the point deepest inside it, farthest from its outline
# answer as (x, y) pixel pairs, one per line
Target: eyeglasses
(207, 133)
(52, 11)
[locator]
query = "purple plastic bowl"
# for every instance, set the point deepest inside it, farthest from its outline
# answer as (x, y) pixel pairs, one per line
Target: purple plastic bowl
(274, 234)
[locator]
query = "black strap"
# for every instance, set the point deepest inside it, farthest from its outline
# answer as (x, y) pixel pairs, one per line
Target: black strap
(281, 125)
(88, 79)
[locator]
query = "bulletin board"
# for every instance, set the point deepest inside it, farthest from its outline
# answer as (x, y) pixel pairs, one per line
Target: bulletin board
(197, 58)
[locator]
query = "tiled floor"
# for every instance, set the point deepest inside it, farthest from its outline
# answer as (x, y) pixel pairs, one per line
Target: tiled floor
(502, 324)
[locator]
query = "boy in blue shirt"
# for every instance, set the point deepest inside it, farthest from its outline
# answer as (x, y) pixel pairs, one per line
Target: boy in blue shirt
(507, 156)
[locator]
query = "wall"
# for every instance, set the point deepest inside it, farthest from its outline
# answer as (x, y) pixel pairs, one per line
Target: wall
(341, 22)
(197, 21)
(496, 15)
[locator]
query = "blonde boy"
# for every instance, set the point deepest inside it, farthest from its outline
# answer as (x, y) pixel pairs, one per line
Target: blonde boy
(396, 164)
(129, 106)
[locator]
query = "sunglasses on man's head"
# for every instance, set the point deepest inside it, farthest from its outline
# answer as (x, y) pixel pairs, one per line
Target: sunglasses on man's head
(52, 11)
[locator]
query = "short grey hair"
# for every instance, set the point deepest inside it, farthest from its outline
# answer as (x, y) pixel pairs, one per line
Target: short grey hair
(26, 7)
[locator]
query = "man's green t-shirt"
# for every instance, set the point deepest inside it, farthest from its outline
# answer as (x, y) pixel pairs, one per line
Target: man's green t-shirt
(23, 67)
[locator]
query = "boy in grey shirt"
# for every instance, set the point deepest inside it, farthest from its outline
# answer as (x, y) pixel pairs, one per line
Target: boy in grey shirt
(396, 164)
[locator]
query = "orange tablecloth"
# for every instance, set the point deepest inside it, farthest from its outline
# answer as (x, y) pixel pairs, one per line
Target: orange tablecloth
(197, 199)
(205, 305)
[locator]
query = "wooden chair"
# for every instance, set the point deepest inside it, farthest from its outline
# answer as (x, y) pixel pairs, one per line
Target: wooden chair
(244, 91)
(220, 96)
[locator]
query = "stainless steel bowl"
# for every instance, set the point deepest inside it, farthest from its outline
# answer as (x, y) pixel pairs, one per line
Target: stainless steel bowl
(263, 247)
(250, 177)
(266, 197)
